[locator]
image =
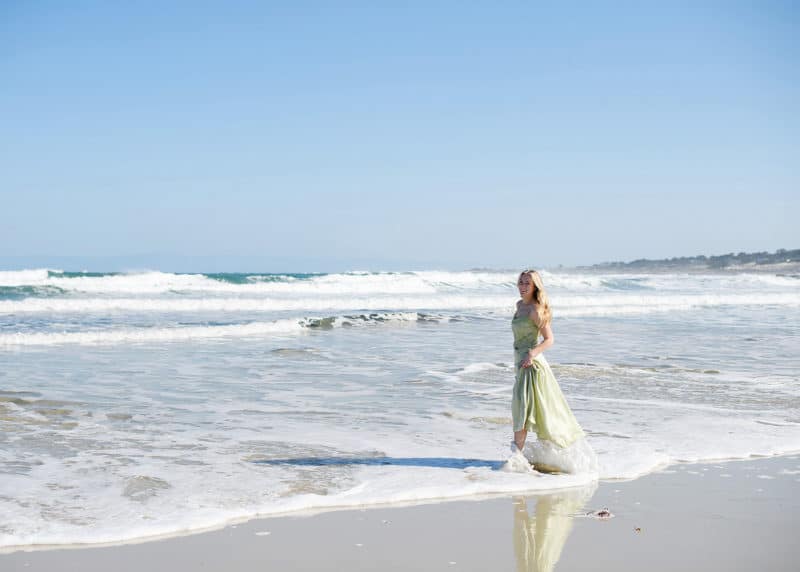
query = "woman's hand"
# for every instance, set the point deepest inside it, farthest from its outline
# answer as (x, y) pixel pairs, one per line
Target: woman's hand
(528, 361)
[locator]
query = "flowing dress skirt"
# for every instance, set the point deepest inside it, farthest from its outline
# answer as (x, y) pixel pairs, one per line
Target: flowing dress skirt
(539, 406)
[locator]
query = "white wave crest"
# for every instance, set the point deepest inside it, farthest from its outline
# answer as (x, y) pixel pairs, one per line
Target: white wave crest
(34, 277)
(182, 333)
(623, 304)
(563, 305)
(395, 283)
(252, 304)
(164, 282)
(115, 336)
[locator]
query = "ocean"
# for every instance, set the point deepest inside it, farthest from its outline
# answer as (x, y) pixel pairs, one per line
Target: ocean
(151, 403)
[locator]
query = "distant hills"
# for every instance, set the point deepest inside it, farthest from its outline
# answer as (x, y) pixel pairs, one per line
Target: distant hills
(780, 260)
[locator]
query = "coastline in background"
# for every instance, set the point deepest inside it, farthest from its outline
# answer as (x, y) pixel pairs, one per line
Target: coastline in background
(780, 261)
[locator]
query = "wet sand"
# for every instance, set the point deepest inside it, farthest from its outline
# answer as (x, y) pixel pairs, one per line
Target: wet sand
(739, 515)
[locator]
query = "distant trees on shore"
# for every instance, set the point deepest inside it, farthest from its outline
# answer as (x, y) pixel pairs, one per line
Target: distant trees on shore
(707, 262)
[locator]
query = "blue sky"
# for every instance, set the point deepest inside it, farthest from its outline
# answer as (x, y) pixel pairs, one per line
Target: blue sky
(303, 136)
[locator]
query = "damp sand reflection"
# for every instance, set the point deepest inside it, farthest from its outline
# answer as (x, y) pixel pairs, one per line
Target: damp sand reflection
(542, 525)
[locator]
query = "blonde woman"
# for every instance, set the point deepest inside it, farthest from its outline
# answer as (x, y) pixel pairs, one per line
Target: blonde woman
(538, 405)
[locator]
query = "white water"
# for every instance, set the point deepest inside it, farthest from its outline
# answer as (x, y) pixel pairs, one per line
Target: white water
(137, 405)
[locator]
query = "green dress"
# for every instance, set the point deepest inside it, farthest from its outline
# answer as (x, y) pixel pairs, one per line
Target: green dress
(538, 404)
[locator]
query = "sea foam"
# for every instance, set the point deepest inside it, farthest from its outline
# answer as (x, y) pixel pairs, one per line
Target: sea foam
(153, 403)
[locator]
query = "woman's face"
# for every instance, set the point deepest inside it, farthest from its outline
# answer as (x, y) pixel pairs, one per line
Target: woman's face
(525, 284)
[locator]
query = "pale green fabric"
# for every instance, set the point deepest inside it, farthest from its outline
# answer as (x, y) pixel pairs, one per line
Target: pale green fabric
(540, 537)
(537, 404)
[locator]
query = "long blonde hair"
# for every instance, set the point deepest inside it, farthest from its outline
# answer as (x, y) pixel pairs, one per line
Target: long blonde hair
(543, 311)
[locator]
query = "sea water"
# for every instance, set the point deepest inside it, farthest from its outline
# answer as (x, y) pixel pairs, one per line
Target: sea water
(150, 403)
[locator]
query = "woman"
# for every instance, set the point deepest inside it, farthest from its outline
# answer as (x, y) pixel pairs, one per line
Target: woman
(538, 404)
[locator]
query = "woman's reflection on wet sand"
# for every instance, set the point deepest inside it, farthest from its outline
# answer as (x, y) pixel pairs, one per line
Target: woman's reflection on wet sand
(540, 537)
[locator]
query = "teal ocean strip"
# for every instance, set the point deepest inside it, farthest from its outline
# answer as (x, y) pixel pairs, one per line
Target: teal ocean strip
(22, 292)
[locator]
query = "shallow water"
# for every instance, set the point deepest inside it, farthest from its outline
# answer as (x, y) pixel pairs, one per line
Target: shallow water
(134, 405)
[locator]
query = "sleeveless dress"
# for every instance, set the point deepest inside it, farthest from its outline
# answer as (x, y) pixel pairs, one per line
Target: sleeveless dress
(538, 404)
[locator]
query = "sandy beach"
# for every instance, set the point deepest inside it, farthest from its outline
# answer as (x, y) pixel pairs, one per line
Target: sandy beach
(736, 515)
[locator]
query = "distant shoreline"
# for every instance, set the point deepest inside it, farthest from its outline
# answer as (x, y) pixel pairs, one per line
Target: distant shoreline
(781, 261)
(786, 268)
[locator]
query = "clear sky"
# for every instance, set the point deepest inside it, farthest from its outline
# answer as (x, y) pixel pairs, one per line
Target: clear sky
(320, 136)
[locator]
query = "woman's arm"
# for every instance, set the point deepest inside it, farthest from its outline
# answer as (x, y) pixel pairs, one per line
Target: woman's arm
(547, 341)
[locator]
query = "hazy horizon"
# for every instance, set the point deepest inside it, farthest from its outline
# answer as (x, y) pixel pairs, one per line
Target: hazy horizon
(245, 265)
